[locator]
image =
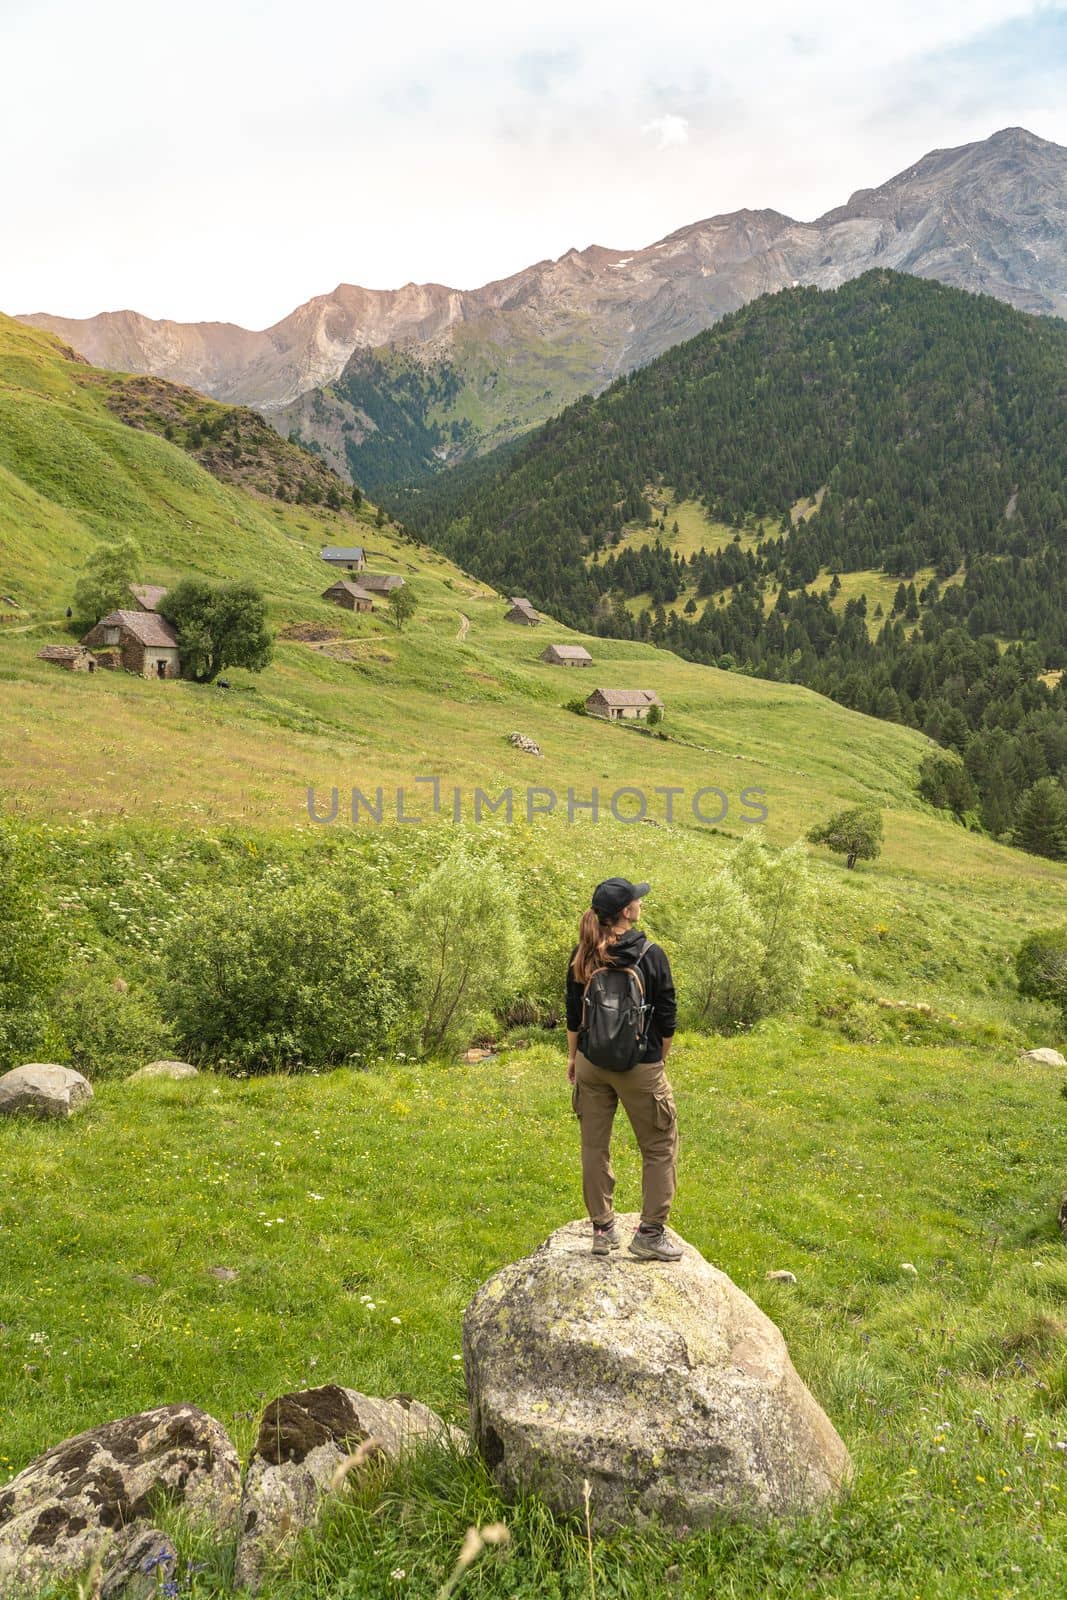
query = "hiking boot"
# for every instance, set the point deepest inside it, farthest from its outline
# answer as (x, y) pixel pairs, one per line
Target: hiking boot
(655, 1246)
(605, 1240)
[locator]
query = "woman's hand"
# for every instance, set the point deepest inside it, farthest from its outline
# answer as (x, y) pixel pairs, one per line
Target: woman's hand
(570, 1071)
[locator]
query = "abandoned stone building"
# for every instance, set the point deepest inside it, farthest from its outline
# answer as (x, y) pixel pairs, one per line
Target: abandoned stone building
(622, 704)
(567, 655)
(145, 642)
(351, 596)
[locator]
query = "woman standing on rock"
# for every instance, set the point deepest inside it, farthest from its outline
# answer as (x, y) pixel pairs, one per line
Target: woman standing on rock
(621, 1012)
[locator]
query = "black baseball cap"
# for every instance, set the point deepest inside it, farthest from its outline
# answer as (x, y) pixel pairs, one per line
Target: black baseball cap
(610, 896)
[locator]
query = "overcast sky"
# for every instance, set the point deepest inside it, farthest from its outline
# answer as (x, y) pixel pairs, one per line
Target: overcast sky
(224, 160)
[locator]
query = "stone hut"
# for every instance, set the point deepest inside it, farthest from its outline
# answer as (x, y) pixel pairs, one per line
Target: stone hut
(350, 596)
(622, 704)
(71, 657)
(380, 582)
(147, 595)
(148, 645)
(522, 612)
(339, 555)
(567, 655)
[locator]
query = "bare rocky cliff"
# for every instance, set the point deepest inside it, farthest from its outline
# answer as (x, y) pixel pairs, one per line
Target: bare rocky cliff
(989, 216)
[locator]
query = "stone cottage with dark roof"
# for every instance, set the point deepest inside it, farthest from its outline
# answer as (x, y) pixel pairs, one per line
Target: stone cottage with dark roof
(147, 644)
(352, 596)
(622, 704)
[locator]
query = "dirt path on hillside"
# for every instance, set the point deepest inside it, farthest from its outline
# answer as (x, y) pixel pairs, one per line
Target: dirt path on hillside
(464, 624)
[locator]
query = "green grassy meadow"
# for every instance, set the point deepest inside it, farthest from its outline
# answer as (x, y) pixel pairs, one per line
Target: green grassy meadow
(360, 1210)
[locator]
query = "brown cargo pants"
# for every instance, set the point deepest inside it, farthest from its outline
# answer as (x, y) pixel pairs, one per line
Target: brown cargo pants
(648, 1101)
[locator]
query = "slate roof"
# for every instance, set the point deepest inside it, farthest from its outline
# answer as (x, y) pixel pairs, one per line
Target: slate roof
(149, 594)
(356, 590)
(146, 626)
(59, 652)
(569, 652)
(628, 697)
(380, 582)
(340, 552)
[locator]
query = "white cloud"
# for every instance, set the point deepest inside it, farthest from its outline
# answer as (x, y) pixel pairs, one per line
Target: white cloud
(671, 130)
(227, 162)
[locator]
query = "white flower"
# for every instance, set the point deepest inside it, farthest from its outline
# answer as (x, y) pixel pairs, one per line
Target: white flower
(396, 1320)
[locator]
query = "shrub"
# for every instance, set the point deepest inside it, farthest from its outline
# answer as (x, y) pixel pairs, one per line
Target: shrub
(745, 948)
(290, 978)
(1041, 967)
(463, 932)
(103, 1031)
(30, 959)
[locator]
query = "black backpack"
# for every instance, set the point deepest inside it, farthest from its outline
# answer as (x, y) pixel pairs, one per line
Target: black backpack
(614, 1016)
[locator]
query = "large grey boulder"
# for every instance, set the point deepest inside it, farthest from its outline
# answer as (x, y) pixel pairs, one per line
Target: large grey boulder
(663, 1384)
(43, 1089)
(306, 1442)
(1043, 1058)
(164, 1069)
(70, 1504)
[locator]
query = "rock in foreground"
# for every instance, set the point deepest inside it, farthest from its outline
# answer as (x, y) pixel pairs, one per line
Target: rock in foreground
(70, 1504)
(42, 1089)
(663, 1384)
(305, 1439)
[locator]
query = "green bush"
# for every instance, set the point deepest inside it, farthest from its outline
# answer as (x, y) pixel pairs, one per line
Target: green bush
(744, 944)
(1041, 966)
(463, 931)
(290, 978)
(104, 1031)
(30, 958)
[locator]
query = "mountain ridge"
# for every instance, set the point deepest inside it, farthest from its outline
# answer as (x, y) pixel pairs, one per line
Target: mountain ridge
(989, 216)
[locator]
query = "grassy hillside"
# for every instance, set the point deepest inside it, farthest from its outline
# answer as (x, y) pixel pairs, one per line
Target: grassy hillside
(838, 1142)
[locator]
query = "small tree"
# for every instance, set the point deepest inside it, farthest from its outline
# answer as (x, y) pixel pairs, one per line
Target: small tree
(218, 625)
(105, 581)
(463, 930)
(655, 716)
(30, 960)
(402, 606)
(745, 948)
(855, 834)
(945, 782)
(1041, 820)
(1041, 967)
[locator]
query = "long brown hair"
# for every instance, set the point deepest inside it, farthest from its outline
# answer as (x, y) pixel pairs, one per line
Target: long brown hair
(595, 939)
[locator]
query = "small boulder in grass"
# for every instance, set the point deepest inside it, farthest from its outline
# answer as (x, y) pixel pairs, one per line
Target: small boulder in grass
(1044, 1057)
(164, 1069)
(43, 1089)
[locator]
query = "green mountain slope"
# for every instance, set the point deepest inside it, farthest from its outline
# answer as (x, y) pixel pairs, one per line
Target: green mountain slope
(363, 705)
(892, 426)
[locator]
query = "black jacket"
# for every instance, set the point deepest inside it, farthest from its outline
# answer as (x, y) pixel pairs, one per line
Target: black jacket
(659, 989)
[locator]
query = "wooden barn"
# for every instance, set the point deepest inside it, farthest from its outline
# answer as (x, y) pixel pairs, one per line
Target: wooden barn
(566, 655)
(622, 704)
(350, 596)
(147, 644)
